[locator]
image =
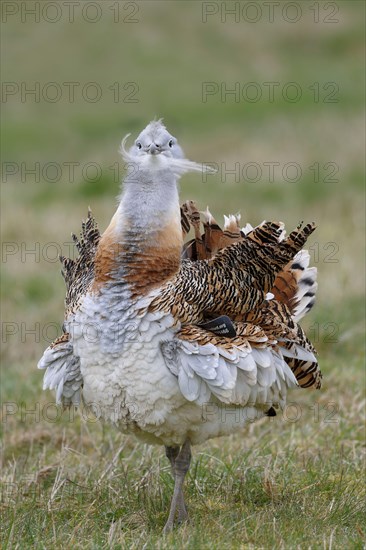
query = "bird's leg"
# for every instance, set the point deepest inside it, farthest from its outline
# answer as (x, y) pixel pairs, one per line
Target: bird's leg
(181, 466)
(172, 453)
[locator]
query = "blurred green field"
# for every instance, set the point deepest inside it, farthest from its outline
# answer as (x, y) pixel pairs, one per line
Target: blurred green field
(291, 482)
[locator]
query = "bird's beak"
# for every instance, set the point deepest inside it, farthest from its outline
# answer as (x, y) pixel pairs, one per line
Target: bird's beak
(154, 149)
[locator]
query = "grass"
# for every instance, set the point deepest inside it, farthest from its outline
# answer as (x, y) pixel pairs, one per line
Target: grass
(279, 484)
(289, 482)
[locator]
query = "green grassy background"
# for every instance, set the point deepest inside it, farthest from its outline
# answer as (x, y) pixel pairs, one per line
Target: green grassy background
(280, 483)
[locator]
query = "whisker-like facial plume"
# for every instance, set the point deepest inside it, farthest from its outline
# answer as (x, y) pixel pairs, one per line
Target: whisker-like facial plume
(156, 147)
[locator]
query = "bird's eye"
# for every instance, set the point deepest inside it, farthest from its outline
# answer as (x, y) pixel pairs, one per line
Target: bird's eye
(138, 144)
(171, 143)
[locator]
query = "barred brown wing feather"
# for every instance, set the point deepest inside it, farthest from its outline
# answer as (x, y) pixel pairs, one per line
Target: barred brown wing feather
(295, 285)
(62, 366)
(235, 280)
(79, 273)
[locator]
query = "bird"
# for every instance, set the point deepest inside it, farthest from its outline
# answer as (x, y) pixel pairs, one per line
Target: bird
(164, 337)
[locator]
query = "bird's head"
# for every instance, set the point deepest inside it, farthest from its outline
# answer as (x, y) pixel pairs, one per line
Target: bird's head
(156, 149)
(156, 140)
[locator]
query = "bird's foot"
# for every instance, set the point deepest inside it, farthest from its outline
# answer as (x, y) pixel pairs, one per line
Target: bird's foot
(168, 527)
(182, 517)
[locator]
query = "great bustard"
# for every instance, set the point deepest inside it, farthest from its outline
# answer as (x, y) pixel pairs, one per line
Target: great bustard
(155, 330)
